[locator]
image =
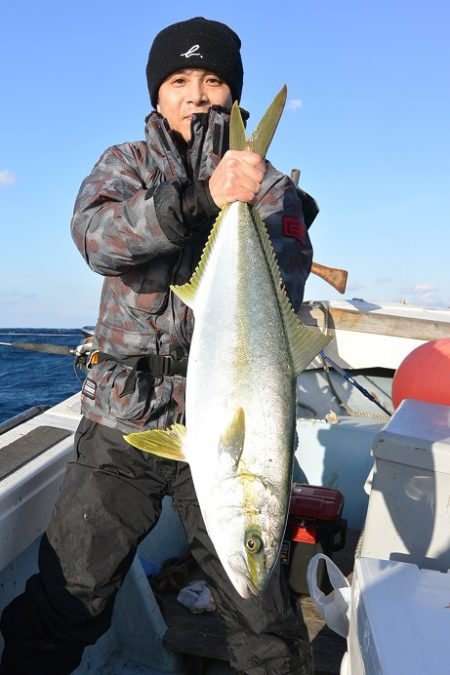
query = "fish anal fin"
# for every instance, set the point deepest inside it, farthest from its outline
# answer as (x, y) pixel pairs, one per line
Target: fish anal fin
(167, 443)
(188, 292)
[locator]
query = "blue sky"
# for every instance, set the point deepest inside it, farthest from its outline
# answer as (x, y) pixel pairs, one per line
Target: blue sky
(367, 122)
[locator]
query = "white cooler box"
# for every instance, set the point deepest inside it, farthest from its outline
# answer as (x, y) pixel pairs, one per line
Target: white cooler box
(400, 620)
(408, 517)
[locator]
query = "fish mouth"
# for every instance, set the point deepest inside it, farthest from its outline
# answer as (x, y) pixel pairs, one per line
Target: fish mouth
(242, 580)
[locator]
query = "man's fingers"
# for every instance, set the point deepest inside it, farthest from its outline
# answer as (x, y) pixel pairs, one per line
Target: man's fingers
(238, 177)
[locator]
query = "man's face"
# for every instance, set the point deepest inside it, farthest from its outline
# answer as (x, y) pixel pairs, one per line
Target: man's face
(188, 91)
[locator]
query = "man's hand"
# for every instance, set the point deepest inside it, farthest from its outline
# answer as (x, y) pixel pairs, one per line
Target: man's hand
(237, 178)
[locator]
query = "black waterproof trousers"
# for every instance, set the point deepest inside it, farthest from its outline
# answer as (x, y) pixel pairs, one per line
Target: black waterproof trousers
(111, 498)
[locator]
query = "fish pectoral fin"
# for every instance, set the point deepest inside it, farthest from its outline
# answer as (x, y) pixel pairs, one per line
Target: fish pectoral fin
(167, 443)
(232, 439)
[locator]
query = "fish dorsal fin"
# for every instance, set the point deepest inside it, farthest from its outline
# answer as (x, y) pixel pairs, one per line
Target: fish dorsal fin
(304, 342)
(166, 443)
(232, 439)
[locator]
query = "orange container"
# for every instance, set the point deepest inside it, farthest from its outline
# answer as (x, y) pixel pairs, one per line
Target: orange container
(315, 525)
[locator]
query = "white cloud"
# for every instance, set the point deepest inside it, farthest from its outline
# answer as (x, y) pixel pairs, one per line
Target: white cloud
(294, 104)
(354, 286)
(421, 288)
(424, 294)
(16, 297)
(7, 177)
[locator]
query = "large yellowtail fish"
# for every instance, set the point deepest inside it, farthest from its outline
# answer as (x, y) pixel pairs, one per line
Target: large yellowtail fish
(247, 348)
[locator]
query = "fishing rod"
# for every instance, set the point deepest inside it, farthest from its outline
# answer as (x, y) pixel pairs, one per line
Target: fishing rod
(81, 352)
(352, 381)
(53, 348)
(42, 347)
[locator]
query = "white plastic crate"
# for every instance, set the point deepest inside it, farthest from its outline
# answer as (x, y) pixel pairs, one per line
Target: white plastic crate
(400, 620)
(408, 517)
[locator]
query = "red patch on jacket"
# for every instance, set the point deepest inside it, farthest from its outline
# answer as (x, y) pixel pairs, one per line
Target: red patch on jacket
(293, 227)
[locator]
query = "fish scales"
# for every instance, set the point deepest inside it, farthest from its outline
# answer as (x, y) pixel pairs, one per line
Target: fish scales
(253, 365)
(239, 355)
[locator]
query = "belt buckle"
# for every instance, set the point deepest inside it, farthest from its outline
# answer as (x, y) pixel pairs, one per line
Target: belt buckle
(166, 365)
(93, 359)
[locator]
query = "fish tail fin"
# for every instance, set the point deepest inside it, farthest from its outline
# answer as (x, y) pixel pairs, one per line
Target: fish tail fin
(238, 139)
(259, 142)
(261, 138)
(167, 443)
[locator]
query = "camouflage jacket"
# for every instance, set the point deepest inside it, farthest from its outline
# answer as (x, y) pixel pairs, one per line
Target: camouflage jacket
(117, 226)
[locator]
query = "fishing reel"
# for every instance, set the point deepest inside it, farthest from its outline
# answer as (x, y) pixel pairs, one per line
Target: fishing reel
(83, 353)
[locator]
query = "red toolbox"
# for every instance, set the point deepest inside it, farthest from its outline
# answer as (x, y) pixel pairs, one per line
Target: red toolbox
(315, 525)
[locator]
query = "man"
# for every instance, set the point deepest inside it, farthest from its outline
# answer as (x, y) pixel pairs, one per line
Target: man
(141, 219)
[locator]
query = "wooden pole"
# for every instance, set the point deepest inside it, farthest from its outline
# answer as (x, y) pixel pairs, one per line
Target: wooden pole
(332, 275)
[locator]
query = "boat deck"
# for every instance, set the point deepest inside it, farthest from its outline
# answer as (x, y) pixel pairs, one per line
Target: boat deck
(201, 638)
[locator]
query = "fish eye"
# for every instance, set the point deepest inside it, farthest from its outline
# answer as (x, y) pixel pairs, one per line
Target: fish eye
(253, 543)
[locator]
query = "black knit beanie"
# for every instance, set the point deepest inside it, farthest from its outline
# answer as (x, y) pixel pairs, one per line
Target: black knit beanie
(196, 43)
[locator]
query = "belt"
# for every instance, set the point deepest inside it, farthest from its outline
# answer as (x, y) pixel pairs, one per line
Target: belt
(156, 364)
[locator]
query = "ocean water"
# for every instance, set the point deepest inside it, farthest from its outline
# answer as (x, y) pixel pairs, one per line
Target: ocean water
(29, 378)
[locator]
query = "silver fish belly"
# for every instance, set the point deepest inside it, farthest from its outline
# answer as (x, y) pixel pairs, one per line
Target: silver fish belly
(240, 361)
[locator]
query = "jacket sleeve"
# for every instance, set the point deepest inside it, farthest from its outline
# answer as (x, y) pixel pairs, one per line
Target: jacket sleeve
(288, 212)
(114, 224)
(119, 223)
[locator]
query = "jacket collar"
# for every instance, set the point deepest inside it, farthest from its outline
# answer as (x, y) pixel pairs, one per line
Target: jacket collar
(209, 141)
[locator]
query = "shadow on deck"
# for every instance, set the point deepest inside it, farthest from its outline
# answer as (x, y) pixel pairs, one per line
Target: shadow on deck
(201, 637)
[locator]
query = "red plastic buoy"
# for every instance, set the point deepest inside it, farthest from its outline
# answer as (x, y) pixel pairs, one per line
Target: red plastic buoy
(424, 374)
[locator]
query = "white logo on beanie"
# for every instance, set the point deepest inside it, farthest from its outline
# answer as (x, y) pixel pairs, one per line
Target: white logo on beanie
(192, 51)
